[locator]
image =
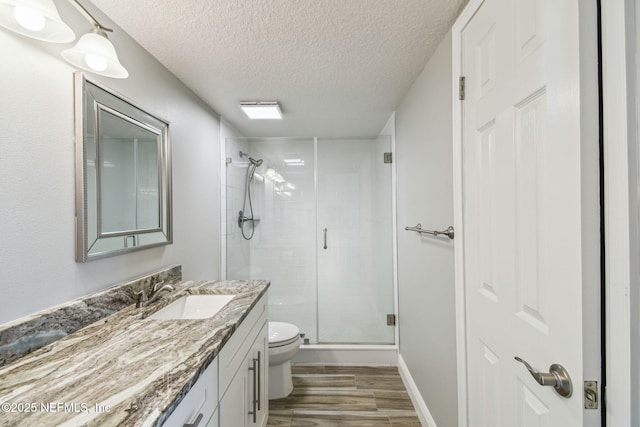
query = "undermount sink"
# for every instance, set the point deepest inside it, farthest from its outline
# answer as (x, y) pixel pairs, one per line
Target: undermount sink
(192, 307)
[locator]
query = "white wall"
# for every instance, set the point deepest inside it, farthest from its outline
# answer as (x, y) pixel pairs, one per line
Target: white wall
(426, 264)
(37, 173)
(621, 96)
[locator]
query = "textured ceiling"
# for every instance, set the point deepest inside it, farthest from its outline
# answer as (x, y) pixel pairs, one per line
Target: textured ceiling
(337, 67)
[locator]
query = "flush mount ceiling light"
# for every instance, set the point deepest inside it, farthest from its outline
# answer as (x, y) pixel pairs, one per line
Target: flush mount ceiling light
(39, 19)
(261, 110)
(294, 162)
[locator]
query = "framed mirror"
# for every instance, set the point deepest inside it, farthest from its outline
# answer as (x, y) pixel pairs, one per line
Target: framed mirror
(123, 174)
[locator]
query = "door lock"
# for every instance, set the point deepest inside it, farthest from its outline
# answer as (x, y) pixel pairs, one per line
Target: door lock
(558, 378)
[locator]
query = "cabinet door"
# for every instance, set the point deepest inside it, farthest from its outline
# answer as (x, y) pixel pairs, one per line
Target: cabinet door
(261, 352)
(245, 402)
(233, 405)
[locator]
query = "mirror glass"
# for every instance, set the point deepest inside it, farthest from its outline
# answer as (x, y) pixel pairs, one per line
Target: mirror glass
(123, 175)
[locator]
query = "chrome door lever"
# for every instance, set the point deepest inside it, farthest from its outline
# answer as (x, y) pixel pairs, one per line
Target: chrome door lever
(558, 378)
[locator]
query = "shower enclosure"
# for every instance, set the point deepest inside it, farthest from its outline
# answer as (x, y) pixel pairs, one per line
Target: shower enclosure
(321, 227)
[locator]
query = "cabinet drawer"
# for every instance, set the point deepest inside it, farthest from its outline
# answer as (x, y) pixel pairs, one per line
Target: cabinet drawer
(235, 350)
(201, 399)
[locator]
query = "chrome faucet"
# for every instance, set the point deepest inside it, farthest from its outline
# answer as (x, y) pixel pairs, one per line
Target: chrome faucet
(154, 295)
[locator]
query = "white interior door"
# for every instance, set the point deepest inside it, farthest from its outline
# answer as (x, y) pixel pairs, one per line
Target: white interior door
(523, 191)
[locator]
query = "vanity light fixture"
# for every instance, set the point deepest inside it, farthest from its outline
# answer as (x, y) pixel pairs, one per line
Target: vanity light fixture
(39, 19)
(261, 110)
(94, 52)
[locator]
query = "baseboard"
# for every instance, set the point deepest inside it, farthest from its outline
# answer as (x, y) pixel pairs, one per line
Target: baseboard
(426, 419)
(347, 355)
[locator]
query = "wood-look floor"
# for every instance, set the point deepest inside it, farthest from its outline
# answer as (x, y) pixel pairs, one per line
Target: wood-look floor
(344, 396)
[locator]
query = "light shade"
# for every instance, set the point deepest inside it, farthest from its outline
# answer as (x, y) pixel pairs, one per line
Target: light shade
(38, 19)
(261, 110)
(95, 53)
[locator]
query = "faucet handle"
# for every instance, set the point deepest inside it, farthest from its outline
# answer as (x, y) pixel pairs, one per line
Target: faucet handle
(156, 286)
(142, 298)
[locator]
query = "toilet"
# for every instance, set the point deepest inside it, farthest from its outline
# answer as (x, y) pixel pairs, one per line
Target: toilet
(284, 343)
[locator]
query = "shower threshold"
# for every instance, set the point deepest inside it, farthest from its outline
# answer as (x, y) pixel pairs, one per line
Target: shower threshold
(351, 354)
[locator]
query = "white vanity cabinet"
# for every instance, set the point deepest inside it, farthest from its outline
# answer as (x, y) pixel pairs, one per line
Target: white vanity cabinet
(199, 406)
(232, 392)
(244, 371)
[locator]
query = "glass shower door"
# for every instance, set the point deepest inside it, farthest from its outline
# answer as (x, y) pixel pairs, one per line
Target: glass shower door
(354, 241)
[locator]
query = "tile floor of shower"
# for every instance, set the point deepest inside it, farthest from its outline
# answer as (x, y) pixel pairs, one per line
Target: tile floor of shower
(346, 396)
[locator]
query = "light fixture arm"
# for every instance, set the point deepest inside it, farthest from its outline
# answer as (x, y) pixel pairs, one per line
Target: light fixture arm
(98, 26)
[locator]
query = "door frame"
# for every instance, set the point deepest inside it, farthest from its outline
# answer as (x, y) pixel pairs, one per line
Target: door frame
(461, 320)
(621, 236)
(461, 335)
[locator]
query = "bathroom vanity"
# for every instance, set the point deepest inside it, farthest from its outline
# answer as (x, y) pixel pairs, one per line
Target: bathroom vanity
(131, 369)
(232, 391)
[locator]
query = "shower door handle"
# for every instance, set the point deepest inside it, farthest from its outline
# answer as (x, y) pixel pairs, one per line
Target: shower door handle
(325, 238)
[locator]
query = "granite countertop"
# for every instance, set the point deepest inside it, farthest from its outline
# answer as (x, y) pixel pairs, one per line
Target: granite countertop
(124, 369)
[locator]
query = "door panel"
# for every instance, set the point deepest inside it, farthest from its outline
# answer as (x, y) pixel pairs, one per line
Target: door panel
(530, 235)
(522, 210)
(533, 412)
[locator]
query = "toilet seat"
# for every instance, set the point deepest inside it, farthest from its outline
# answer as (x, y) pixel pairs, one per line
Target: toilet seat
(282, 334)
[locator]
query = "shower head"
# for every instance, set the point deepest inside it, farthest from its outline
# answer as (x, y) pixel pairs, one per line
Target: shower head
(253, 161)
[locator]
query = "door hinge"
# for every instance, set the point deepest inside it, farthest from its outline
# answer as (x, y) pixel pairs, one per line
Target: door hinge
(591, 395)
(391, 319)
(388, 157)
(461, 87)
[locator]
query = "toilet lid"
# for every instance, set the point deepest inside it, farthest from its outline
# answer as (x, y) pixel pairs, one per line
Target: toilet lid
(280, 332)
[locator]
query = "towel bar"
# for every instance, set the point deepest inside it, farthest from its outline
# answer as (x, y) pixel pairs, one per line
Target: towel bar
(418, 228)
